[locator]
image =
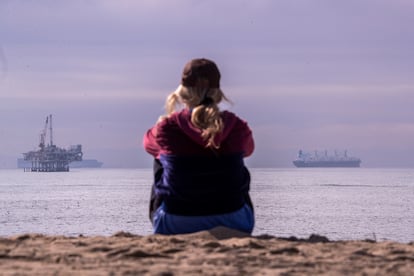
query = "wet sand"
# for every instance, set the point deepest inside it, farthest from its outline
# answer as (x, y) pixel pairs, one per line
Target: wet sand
(219, 251)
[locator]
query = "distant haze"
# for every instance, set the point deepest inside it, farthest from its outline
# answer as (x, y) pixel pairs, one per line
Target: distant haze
(311, 75)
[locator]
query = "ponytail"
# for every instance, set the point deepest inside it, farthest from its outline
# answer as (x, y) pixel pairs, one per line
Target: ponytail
(205, 113)
(207, 118)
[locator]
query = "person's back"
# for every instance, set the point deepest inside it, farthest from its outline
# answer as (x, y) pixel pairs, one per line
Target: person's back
(200, 180)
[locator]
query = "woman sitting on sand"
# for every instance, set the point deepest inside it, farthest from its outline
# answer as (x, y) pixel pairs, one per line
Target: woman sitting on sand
(201, 181)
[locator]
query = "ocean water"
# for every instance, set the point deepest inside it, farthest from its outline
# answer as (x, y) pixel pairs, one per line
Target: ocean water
(341, 204)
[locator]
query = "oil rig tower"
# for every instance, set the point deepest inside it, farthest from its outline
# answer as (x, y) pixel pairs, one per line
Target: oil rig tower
(50, 158)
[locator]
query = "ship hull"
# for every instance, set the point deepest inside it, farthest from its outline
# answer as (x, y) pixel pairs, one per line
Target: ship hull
(327, 164)
(86, 163)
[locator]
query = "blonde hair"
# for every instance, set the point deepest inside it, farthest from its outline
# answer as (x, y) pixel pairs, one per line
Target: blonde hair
(205, 111)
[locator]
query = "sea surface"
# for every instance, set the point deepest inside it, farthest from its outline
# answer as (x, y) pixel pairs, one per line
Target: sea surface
(341, 204)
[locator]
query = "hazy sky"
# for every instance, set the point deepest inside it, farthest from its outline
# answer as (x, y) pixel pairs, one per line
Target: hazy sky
(305, 74)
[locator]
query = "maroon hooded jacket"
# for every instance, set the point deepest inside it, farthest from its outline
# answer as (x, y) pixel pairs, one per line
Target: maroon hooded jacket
(196, 180)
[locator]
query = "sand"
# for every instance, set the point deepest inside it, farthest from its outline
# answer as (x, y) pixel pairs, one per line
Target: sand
(220, 251)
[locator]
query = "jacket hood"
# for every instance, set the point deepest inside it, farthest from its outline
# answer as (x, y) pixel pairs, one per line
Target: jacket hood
(183, 120)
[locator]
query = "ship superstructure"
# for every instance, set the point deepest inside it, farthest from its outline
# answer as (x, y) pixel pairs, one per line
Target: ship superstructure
(324, 160)
(50, 158)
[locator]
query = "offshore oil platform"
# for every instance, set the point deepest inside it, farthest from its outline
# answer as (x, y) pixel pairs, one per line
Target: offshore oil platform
(50, 158)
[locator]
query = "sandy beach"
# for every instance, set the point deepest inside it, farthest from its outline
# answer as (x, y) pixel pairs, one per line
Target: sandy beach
(219, 251)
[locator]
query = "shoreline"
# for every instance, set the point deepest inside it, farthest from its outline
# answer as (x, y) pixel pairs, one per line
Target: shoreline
(220, 251)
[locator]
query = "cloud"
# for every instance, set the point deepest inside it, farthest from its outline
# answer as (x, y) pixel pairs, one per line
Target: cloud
(3, 64)
(316, 73)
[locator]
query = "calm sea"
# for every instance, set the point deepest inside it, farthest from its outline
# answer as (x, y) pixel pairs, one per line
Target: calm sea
(338, 203)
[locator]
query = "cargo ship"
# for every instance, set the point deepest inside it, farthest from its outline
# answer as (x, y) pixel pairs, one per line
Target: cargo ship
(324, 160)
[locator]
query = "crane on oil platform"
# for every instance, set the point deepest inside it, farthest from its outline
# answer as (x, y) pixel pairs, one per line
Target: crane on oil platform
(50, 158)
(42, 143)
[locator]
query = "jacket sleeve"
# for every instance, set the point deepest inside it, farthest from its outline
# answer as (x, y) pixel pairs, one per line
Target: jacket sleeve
(150, 143)
(247, 140)
(240, 138)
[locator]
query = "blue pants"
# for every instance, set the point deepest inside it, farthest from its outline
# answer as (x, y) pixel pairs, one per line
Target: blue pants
(169, 224)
